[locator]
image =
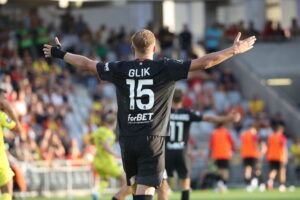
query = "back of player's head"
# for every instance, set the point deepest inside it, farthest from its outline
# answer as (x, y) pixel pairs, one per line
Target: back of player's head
(109, 119)
(278, 128)
(178, 96)
(143, 41)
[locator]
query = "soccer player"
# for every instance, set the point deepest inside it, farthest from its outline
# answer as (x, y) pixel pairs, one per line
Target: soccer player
(6, 174)
(144, 96)
(277, 157)
(105, 162)
(5, 107)
(177, 158)
(221, 149)
(250, 154)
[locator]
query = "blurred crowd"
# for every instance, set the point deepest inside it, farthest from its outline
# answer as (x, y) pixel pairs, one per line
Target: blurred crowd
(271, 32)
(40, 89)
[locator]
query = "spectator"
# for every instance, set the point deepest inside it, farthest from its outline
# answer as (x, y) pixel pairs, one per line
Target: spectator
(185, 39)
(74, 152)
(295, 30)
(6, 84)
(277, 120)
(256, 105)
(231, 32)
(213, 37)
(166, 39)
(241, 28)
(80, 26)
(251, 30)
(279, 34)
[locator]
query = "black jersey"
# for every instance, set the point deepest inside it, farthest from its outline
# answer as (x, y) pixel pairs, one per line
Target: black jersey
(144, 93)
(180, 122)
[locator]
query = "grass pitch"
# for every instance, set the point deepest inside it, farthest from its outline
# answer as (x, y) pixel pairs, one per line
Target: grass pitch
(236, 194)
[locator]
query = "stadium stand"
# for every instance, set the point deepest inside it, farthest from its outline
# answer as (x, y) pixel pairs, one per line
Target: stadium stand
(60, 107)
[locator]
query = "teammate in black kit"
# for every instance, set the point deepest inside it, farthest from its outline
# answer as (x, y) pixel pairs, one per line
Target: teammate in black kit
(177, 158)
(144, 95)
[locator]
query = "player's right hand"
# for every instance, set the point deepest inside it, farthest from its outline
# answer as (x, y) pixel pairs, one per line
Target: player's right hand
(47, 48)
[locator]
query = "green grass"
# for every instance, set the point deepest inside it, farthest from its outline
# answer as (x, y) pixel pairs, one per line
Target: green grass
(237, 194)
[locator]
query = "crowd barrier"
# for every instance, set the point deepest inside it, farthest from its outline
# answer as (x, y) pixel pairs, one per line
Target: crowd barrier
(59, 178)
(68, 178)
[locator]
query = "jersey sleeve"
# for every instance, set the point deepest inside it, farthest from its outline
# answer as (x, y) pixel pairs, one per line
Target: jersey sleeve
(6, 122)
(177, 69)
(195, 116)
(105, 70)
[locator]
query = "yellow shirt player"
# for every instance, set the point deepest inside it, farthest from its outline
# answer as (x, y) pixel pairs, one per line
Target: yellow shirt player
(105, 162)
(6, 173)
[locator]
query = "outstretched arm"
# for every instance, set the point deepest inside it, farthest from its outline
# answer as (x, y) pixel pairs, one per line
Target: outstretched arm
(212, 59)
(73, 59)
(222, 119)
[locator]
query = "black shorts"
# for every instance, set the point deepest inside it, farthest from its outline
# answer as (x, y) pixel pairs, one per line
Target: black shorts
(222, 163)
(178, 160)
(250, 162)
(143, 159)
(277, 165)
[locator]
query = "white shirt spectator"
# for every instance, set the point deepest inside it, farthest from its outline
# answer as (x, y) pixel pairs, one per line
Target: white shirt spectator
(56, 99)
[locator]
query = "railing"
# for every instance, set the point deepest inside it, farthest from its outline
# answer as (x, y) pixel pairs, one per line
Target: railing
(75, 178)
(59, 178)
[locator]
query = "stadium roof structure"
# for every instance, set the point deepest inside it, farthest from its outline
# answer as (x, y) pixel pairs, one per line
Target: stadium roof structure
(88, 3)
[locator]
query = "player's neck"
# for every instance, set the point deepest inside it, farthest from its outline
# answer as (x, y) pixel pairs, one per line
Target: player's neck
(143, 57)
(112, 128)
(176, 106)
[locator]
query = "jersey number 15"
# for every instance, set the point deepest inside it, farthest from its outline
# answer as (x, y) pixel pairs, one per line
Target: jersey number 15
(135, 95)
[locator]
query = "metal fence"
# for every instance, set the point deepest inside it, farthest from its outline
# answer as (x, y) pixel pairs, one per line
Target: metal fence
(68, 179)
(60, 178)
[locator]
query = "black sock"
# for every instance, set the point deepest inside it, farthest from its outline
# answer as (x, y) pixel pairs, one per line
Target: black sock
(185, 195)
(260, 179)
(247, 181)
(142, 197)
(114, 198)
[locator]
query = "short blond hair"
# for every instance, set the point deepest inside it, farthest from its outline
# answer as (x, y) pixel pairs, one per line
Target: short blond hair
(142, 40)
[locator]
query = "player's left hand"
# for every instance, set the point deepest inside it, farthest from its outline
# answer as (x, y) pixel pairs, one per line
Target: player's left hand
(47, 48)
(241, 46)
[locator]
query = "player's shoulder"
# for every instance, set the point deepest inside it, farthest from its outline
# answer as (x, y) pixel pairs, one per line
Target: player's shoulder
(171, 61)
(194, 112)
(184, 110)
